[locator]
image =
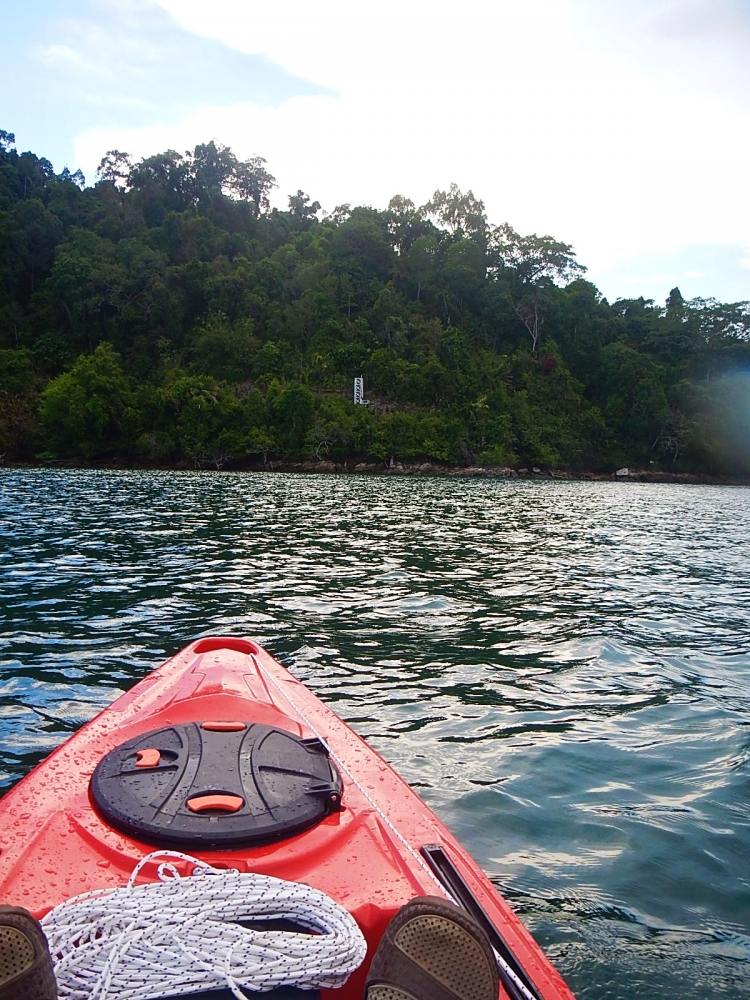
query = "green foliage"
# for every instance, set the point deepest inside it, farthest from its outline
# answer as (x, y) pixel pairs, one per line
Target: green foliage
(18, 426)
(293, 408)
(633, 396)
(89, 410)
(16, 371)
(222, 349)
(458, 212)
(168, 315)
(545, 435)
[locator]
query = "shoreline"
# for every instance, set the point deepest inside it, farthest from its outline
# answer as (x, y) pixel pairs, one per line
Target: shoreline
(418, 469)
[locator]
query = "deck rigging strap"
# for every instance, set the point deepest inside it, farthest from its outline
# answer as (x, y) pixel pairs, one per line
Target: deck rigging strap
(507, 973)
(183, 935)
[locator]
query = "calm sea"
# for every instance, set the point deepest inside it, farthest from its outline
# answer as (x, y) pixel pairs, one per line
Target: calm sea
(561, 669)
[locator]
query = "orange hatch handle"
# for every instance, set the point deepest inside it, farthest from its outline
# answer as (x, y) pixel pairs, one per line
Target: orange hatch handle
(215, 803)
(148, 758)
(223, 727)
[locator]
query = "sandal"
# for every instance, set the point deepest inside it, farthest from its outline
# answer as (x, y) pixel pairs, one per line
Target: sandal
(432, 950)
(26, 971)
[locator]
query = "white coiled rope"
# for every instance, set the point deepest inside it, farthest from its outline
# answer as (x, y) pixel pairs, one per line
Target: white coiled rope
(181, 935)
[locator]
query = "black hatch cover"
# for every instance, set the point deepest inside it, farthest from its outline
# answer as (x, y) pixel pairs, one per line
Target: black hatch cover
(214, 784)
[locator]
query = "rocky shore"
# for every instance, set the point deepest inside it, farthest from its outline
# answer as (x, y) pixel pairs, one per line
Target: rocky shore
(411, 469)
(494, 471)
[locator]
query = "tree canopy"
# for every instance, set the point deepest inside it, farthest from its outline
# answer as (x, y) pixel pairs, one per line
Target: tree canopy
(168, 314)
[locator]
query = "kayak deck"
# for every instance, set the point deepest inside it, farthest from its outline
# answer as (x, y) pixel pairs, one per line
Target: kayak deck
(368, 856)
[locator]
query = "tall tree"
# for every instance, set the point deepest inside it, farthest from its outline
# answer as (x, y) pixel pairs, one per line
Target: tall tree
(529, 266)
(461, 213)
(114, 168)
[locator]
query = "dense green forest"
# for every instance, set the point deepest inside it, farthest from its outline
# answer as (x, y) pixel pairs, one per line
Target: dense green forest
(168, 315)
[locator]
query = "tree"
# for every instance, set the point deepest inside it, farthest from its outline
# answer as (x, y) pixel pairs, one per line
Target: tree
(77, 178)
(675, 304)
(417, 264)
(302, 209)
(18, 425)
(202, 417)
(253, 182)
(533, 258)
(721, 332)
(292, 411)
(340, 214)
(114, 168)
(222, 349)
(36, 234)
(361, 257)
(406, 223)
(90, 409)
(490, 427)
(212, 169)
(83, 286)
(165, 313)
(633, 397)
(552, 422)
(462, 214)
(163, 183)
(461, 272)
(529, 266)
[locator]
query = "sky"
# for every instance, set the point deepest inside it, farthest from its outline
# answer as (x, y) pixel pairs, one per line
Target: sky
(619, 126)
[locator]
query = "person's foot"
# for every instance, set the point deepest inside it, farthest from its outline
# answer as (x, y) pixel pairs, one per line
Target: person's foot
(432, 950)
(26, 971)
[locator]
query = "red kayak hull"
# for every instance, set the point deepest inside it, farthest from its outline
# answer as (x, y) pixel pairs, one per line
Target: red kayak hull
(54, 845)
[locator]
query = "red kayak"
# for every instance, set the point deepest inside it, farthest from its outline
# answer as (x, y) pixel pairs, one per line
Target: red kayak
(222, 754)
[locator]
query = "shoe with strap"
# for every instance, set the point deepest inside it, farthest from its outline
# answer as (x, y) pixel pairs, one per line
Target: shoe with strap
(433, 950)
(26, 971)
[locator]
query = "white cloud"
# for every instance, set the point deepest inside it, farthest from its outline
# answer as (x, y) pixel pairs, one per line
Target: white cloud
(59, 56)
(95, 58)
(602, 124)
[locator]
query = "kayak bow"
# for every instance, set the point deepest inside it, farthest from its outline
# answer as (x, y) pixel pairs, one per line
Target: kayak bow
(221, 752)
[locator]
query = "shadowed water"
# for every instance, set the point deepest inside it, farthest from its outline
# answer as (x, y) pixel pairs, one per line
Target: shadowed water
(560, 669)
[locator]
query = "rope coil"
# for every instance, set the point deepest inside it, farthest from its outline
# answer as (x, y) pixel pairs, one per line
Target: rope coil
(183, 935)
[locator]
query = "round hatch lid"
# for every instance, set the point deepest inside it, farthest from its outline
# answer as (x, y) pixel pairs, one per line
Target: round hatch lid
(215, 784)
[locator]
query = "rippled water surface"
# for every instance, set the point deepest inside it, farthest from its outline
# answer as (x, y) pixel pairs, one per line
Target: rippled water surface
(561, 669)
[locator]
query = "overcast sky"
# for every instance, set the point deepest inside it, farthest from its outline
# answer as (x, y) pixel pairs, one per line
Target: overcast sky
(620, 126)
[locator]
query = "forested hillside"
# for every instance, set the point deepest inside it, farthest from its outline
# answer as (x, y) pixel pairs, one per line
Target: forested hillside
(167, 315)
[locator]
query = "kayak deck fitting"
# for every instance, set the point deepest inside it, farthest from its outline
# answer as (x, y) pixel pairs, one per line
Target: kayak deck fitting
(222, 753)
